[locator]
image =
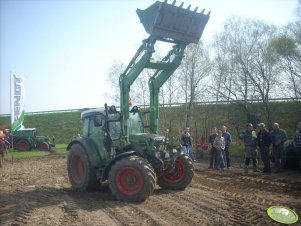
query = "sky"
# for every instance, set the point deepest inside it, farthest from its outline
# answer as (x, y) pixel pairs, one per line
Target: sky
(65, 48)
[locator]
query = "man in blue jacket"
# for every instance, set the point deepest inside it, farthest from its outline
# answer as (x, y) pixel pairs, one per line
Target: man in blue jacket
(278, 137)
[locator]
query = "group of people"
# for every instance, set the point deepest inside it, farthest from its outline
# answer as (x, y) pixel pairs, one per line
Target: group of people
(220, 141)
(263, 140)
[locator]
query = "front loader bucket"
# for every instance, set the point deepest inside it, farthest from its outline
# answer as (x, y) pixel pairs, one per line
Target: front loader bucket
(170, 22)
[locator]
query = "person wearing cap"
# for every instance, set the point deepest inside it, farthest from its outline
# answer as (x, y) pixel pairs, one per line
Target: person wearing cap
(250, 141)
(297, 143)
(264, 142)
(278, 137)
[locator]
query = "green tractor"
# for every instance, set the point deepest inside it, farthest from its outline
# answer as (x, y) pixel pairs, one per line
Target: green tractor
(27, 139)
(115, 148)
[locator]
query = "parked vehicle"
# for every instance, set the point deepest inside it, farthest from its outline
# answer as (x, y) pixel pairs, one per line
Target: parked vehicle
(27, 139)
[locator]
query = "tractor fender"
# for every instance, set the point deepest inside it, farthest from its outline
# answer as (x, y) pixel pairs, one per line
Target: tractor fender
(106, 170)
(90, 150)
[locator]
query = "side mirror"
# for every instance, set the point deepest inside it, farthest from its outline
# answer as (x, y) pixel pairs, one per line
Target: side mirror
(97, 121)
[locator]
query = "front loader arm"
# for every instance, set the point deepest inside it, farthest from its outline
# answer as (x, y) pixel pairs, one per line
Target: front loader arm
(172, 62)
(168, 23)
(127, 78)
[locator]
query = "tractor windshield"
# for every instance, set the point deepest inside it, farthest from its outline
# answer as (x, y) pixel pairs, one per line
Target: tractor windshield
(135, 123)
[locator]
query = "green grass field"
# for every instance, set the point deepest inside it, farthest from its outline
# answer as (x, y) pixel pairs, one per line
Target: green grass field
(63, 126)
(13, 154)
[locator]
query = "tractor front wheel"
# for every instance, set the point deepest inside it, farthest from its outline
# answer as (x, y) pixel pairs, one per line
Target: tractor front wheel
(44, 146)
(132, 179)
(81, 174)
(181, 177)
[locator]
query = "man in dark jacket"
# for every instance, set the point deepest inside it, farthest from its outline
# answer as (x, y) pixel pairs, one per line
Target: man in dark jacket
(250, 141)
(213, 151)
(297, 143)
(228, 140)
(278, 137)
(263, 142)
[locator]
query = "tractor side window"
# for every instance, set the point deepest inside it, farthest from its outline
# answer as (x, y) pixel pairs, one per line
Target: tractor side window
(115, 129)
(86, 127)
(95, 129)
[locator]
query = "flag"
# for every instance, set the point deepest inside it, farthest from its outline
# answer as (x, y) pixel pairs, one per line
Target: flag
(17, 102)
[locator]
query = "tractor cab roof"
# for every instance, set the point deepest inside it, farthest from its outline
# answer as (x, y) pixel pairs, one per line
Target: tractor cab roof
(97, 111)
(91, 112)
(25, 129)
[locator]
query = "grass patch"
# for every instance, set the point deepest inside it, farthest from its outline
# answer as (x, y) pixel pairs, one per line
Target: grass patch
(59, 148)
(237, 149)
(25, 154)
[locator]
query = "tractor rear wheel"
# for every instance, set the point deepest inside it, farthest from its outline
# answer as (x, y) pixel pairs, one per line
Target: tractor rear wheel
(23, 145)
(132, 179)
(181, 177)
(81, 174)
(44, 146)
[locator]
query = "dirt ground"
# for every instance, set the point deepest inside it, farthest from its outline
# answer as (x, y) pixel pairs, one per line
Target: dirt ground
(36, 191)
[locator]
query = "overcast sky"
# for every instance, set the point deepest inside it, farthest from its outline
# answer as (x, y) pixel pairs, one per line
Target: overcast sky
(65, 48)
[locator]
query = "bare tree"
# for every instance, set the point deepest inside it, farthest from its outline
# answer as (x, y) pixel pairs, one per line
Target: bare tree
(113, 79)
(194, 68)
(245, 68)
(139, 90)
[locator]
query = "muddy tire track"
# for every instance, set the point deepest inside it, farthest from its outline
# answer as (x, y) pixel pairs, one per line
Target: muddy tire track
(36, 191)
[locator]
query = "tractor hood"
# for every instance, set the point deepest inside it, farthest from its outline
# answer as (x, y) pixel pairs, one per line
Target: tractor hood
(146, 137)
(148, 141)
(42, 139)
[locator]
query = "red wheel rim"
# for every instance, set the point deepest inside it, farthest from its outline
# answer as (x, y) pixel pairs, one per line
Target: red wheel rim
(129, 180)
(178, 174)
(22, 146)
(78, 169)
